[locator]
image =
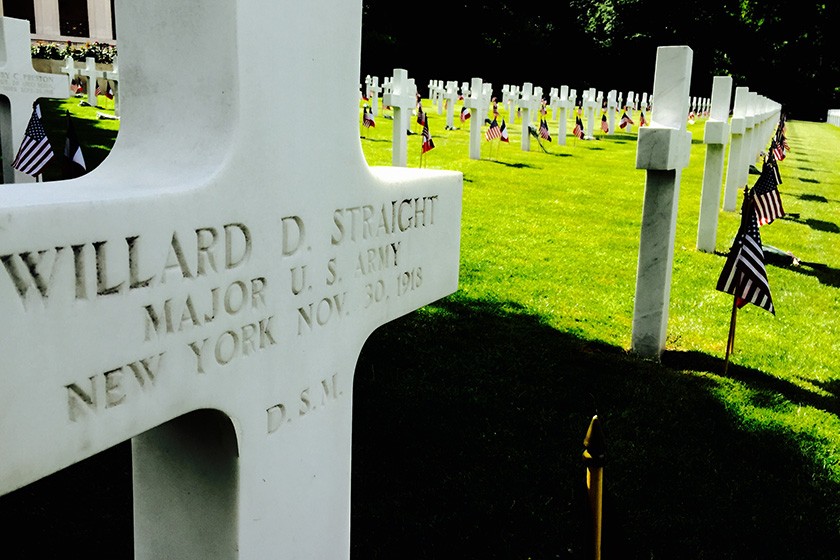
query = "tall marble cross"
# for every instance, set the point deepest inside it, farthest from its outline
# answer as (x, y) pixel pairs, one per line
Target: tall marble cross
(22, 86)
(663, 151)
(207, 290)
(402, 98)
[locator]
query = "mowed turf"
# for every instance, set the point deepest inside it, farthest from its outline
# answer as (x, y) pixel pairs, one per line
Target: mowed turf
(470, 413)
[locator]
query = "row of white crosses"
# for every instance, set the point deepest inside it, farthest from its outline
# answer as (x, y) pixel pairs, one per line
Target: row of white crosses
(663, 150)
(753, 115)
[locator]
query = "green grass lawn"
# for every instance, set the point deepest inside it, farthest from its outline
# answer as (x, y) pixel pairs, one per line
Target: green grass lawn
(470, 413)
(470, 429)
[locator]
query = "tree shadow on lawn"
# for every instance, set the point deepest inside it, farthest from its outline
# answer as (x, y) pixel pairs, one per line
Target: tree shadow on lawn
(469, 418)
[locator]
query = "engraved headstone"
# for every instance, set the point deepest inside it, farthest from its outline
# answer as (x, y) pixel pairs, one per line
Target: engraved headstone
(22, 86)
(663, 150)
(206, 292)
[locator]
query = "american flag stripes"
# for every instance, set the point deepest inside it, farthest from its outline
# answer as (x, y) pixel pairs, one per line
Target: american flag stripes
(367, 118)
(743, 274)
(35, 149)
(778, 150)
(578, 130)
(765, 192)
(544, 133)
(97, 90)
(428, 144)
(625, 120)
(493, 132)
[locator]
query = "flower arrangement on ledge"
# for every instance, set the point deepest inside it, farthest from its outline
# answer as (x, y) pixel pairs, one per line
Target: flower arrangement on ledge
(101, 52)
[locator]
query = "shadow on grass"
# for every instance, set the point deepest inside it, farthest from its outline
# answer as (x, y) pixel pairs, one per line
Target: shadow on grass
(469, 418)
(807, 180)
(822, 272)
(819, 225)
(513, 165)
(811, 197)
(374, 139)
(468, 436)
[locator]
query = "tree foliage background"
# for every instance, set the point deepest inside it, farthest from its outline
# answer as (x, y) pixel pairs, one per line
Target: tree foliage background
(786, 51)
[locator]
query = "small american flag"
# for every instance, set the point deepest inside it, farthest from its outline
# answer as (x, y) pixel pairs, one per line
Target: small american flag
(743, 274)
(421, 115)
(777, 149)
(765, 192)
(493, 132)
(544, 133)
(642, 121)
(428, 144)
(98, 90)
(35, 149)
(578, 130)
(604, 125)
(367, 118)
(625, 120)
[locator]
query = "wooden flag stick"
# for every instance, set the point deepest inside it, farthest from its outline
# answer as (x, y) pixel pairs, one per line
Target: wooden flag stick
(730, 342)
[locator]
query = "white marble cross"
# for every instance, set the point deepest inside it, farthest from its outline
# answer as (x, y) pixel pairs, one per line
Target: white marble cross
(113, 75)
(715, 136)
(450, 96)
(564, 103)
(402, 98)
(611, 105)
(589, 104)
(373, 93)
(22, 86)
(526, 102)
(207, 290)
(663, 150)
(92, 75)
(735, 175)
(474, 102)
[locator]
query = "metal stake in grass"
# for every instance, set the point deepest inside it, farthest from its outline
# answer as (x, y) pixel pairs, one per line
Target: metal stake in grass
(594, 452)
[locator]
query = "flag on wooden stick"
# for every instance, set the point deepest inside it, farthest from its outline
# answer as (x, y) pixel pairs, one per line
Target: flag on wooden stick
(428, 144)
(743, 274)
(35, 148)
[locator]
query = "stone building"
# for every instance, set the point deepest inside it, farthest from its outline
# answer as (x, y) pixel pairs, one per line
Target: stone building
(78, 21)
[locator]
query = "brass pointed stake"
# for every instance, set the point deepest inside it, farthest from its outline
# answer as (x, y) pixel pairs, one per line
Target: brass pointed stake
(594, 452)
